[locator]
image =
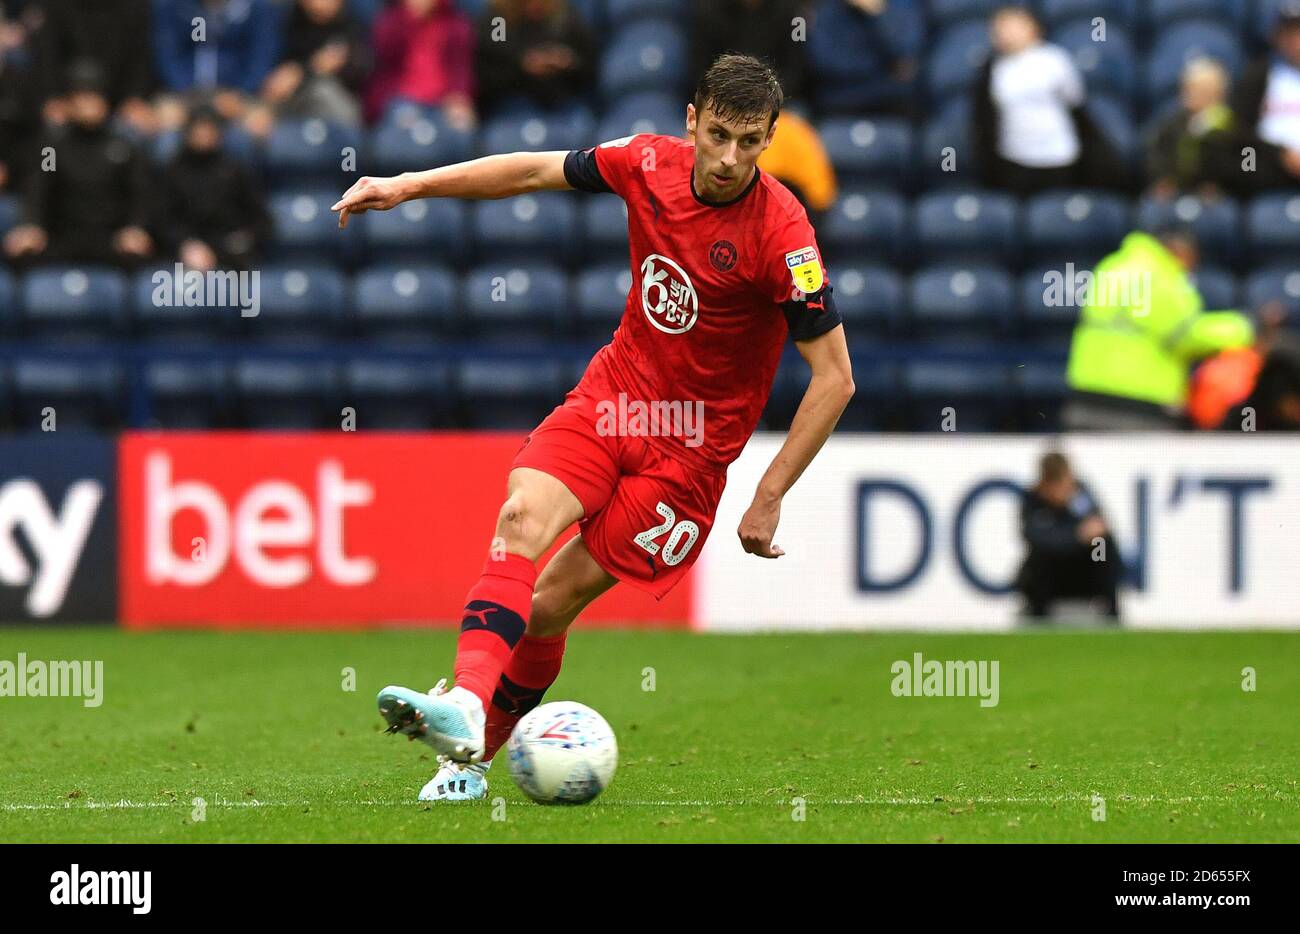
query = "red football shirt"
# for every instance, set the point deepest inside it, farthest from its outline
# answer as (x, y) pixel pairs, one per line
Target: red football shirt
(716, 287)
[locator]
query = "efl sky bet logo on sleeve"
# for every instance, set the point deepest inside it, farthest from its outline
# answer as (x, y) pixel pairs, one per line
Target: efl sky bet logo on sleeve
(805, 269)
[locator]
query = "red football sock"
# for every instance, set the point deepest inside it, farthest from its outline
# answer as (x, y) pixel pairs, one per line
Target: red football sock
(533, 667)
(495, 613)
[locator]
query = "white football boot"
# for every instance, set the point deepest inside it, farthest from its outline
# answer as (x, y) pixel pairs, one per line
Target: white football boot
(457, 782)
(451, 721)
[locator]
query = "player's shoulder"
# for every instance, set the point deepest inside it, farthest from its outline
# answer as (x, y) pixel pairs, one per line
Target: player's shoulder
(781, 210)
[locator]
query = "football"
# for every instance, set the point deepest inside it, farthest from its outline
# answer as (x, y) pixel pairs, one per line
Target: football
(562, 753)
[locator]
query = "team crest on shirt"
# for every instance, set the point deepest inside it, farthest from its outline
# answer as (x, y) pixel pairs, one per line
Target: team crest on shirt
(667, 295)
(806, 269)
(723, 255)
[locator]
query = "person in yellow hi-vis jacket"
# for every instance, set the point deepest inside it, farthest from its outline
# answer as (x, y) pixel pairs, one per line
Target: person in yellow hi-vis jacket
(1141, 329)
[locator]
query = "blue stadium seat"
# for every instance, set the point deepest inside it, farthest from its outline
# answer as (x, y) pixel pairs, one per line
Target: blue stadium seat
(952, 302)
(602, 296)
(306, 228)
(1161, 13)
(405, 305)
(9, 212)
(1178, 44)
(622, 11)
(966, 227)
(1273, 228)
(1275, 284)
(1108, 66)
(946, 12)
(605, 225)
(509, 393)
(187, 394)
(946, 152)
(396, 395)
(412, 139)
(75, 303)
(865, 224)
(509, 304)
(955, 59)
(287, 394)
(1114, 118)
(429, 229)
(1049, 305)
(1217, 286)
(863, 149)
(978, 392)
(160, 318)
(9, 317)
(877, 403)
(300, 304)
(650, 112)
(1073, 225)
(528, 228)
(1264, 18)
(538, 132)
(1055, 12)
(311, 151)
(367, 10)
(1217, 223)
(646, 55)
(1042, 389)
(871, 299)
(84, 394)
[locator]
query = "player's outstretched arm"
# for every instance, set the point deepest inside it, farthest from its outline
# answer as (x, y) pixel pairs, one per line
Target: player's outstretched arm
(828, 392)
(487, 178)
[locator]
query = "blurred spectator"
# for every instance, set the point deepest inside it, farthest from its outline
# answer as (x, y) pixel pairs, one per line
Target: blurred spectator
(762, 28)
(424, 55)
(799, 160)
(864, 54)
(212, 213)
(1267, 105)
(545, 56)
(1265, 377)
(1274, 402)
(239, 45)
(1071, 554)
(325, 65)
(1031, 130)
(19, 114)
(1192, 149)
(92, 206)
(111, 33)
(1140, 332)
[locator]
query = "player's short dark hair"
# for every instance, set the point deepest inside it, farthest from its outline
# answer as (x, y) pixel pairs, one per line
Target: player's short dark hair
(740, 87)
(1053, 466)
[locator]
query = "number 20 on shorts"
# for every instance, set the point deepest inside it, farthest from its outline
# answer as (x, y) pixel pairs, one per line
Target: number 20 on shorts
(680, 539)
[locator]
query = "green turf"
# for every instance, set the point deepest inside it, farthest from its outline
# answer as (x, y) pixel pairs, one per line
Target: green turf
(259, 726)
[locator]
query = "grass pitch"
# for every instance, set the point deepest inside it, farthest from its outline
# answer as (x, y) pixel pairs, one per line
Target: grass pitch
(736, 731)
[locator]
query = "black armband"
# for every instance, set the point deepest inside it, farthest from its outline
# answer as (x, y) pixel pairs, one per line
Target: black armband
(812, 315)
(582, 173)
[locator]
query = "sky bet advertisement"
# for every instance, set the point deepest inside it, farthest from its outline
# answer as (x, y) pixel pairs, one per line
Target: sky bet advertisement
(905, 532)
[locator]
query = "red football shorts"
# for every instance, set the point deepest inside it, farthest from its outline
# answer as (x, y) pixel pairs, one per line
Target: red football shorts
(646, 514)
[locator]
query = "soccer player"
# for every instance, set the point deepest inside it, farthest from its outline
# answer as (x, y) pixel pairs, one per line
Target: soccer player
(724, 265)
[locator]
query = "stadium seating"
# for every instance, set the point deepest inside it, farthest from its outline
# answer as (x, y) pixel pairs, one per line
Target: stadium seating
(967, 226)
(870, 151)
(398, 307)
(394, 394)
(968, 395)
(188, 394)
(74, 303)
(80, 394)
(405, 305)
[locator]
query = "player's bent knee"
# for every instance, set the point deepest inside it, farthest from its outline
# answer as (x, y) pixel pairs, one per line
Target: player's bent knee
(524, 530)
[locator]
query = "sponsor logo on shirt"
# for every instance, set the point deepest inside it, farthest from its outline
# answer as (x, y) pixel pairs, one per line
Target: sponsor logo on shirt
(667, 295)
